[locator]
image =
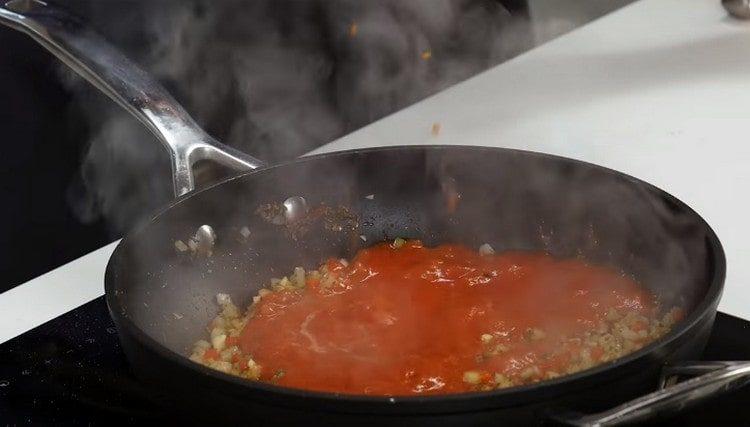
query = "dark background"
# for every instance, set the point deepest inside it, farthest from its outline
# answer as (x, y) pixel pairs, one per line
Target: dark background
(42, 151)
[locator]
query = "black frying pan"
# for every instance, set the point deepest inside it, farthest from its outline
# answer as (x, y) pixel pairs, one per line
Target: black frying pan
(161, 299)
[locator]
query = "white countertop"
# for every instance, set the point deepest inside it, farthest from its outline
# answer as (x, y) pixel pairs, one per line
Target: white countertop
(659, 89)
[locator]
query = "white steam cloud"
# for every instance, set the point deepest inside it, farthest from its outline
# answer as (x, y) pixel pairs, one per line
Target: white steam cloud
(275, 78)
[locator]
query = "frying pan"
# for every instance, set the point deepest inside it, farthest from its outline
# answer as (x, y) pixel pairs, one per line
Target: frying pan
(161, 298)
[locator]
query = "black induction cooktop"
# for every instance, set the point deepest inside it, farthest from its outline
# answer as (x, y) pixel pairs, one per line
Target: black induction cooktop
(71, 370)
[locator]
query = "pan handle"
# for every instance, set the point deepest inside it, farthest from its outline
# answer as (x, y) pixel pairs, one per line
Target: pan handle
(713, 378)
(93, 58)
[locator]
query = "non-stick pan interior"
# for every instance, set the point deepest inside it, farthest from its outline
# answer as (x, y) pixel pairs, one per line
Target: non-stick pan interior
(510, 199)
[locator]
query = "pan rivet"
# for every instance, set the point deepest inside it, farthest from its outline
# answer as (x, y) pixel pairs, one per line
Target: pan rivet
(205, 239)
(295, 208)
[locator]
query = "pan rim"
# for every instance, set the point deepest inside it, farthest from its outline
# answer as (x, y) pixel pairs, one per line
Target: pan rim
(514, 395)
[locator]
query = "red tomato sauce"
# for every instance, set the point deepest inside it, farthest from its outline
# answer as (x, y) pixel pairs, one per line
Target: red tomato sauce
(411, 320)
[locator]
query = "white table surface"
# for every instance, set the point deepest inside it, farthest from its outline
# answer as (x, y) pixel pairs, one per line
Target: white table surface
(659, 89)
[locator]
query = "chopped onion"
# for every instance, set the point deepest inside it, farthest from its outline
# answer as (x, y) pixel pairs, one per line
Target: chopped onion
(472, 377)
(223, 366)
(531, 371)
(299, 277)
(223, 299)
(253, 369)
(202, 345)
(219, 341)
(251, 364)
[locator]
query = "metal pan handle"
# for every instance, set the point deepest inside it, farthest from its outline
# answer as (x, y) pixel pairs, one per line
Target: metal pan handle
(713, 378)
(93, 58)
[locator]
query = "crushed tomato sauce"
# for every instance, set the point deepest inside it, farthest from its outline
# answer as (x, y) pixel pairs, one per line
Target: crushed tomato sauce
(417, 320)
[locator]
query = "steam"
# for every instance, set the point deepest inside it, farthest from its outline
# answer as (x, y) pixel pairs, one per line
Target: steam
(275, 79)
